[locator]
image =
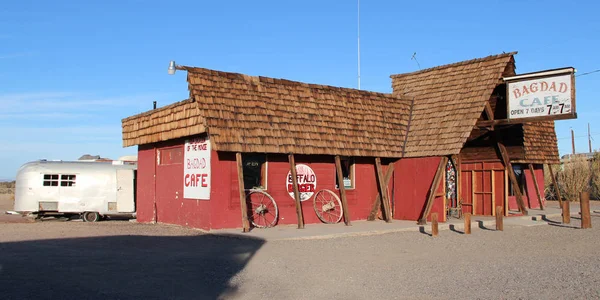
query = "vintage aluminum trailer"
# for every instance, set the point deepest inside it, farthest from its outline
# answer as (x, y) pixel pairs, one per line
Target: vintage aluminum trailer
(89, 189)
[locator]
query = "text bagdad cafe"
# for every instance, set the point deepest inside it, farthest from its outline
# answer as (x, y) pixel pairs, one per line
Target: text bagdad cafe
(196, 174)
(540, 97)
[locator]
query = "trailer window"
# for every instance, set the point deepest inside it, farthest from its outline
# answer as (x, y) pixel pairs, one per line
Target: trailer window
(347, 173)
(50, 180)
(67, 180)
(255, 171)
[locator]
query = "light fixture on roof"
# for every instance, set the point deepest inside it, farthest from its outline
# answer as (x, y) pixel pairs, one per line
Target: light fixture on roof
(172, 68)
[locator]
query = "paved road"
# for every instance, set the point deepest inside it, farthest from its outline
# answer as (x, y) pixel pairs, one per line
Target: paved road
(121, 260)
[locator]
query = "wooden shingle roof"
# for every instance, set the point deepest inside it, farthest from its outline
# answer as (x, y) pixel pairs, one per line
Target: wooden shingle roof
(266, 115)
(448, 101)
(540, 143)
(172, 121)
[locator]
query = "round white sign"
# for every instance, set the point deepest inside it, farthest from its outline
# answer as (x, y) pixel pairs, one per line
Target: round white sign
(307, 182)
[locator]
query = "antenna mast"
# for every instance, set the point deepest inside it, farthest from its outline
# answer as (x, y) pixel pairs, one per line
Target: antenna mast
(359, 44)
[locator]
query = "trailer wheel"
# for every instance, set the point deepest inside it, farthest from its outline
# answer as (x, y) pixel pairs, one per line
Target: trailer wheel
(91, 216)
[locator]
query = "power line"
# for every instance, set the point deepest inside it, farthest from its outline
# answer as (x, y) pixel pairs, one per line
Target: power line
(588, 73)
(579, 136)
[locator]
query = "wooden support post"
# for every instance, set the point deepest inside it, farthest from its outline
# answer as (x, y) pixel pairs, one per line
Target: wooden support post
(340, 179)
(383, 190)
(434, 224)
(505, 193)
(473, 188)
(296, 192)
(584, 202)
(556, 189)
(513, 178)
(243, 206)
(433, 189)
(377, 204)
(499, 219)
(467, 223)
(493, 193)
(566, 212)
(537, 188)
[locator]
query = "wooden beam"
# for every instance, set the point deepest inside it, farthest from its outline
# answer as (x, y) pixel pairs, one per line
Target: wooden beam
(513, 178)
(243, 205)
(499, 219)
(434, 185)
(296, 192)
(383, 191)
(491, 123)
(505, 193)
(434, 225)
(556, 189)
(537, 188)
(342, 188)
(473, 200)
(377, 204)
(467, 223)
(489, 112)
(566, 212)
(493, 193)
(584, 208)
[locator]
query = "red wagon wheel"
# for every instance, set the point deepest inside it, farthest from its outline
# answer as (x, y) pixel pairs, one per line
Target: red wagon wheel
(328, 206)
(263, 211)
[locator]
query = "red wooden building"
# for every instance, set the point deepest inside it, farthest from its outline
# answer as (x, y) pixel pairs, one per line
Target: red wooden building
(238, 132)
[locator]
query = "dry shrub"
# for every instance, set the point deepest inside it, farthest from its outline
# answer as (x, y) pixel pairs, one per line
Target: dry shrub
(574, 177)
(595, 181)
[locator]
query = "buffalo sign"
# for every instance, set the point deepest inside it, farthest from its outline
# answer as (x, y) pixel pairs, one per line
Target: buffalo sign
(307, 182)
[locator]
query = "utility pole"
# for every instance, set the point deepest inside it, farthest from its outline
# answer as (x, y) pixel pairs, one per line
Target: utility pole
(589, 138)
(573, 140)
(358, 21)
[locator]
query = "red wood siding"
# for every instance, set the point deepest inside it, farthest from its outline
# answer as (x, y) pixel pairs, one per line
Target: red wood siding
(171, 207)
(477, 197)
(412, 183)
(530, 196)
(225, 193)
(145, 184)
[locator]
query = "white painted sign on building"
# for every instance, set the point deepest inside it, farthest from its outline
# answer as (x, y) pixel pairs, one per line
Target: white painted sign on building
(196, 169)
(549, 96)
(307, 182)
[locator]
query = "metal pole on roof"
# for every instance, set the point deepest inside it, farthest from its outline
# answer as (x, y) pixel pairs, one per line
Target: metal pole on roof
(359, 44)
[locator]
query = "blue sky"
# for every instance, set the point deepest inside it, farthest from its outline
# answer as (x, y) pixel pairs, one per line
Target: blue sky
(71, 70)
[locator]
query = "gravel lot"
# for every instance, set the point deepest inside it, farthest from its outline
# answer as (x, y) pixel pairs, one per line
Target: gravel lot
(123, 260)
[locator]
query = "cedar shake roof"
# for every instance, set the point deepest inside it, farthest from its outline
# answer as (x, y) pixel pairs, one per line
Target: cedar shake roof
(265, 115)
(540, 143)
(448, 101)
(430, 113)
(172, 121)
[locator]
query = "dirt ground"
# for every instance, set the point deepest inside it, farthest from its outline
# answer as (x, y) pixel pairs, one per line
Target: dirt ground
(6, 202)
(124, 260)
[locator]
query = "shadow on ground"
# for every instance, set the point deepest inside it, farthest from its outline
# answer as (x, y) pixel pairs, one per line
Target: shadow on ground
(481, 225)
(124, 267)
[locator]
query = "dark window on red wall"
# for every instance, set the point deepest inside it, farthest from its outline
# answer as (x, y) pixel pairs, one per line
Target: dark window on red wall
(171, 156)
(518, 170)
(255, 171)
(347, 173)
